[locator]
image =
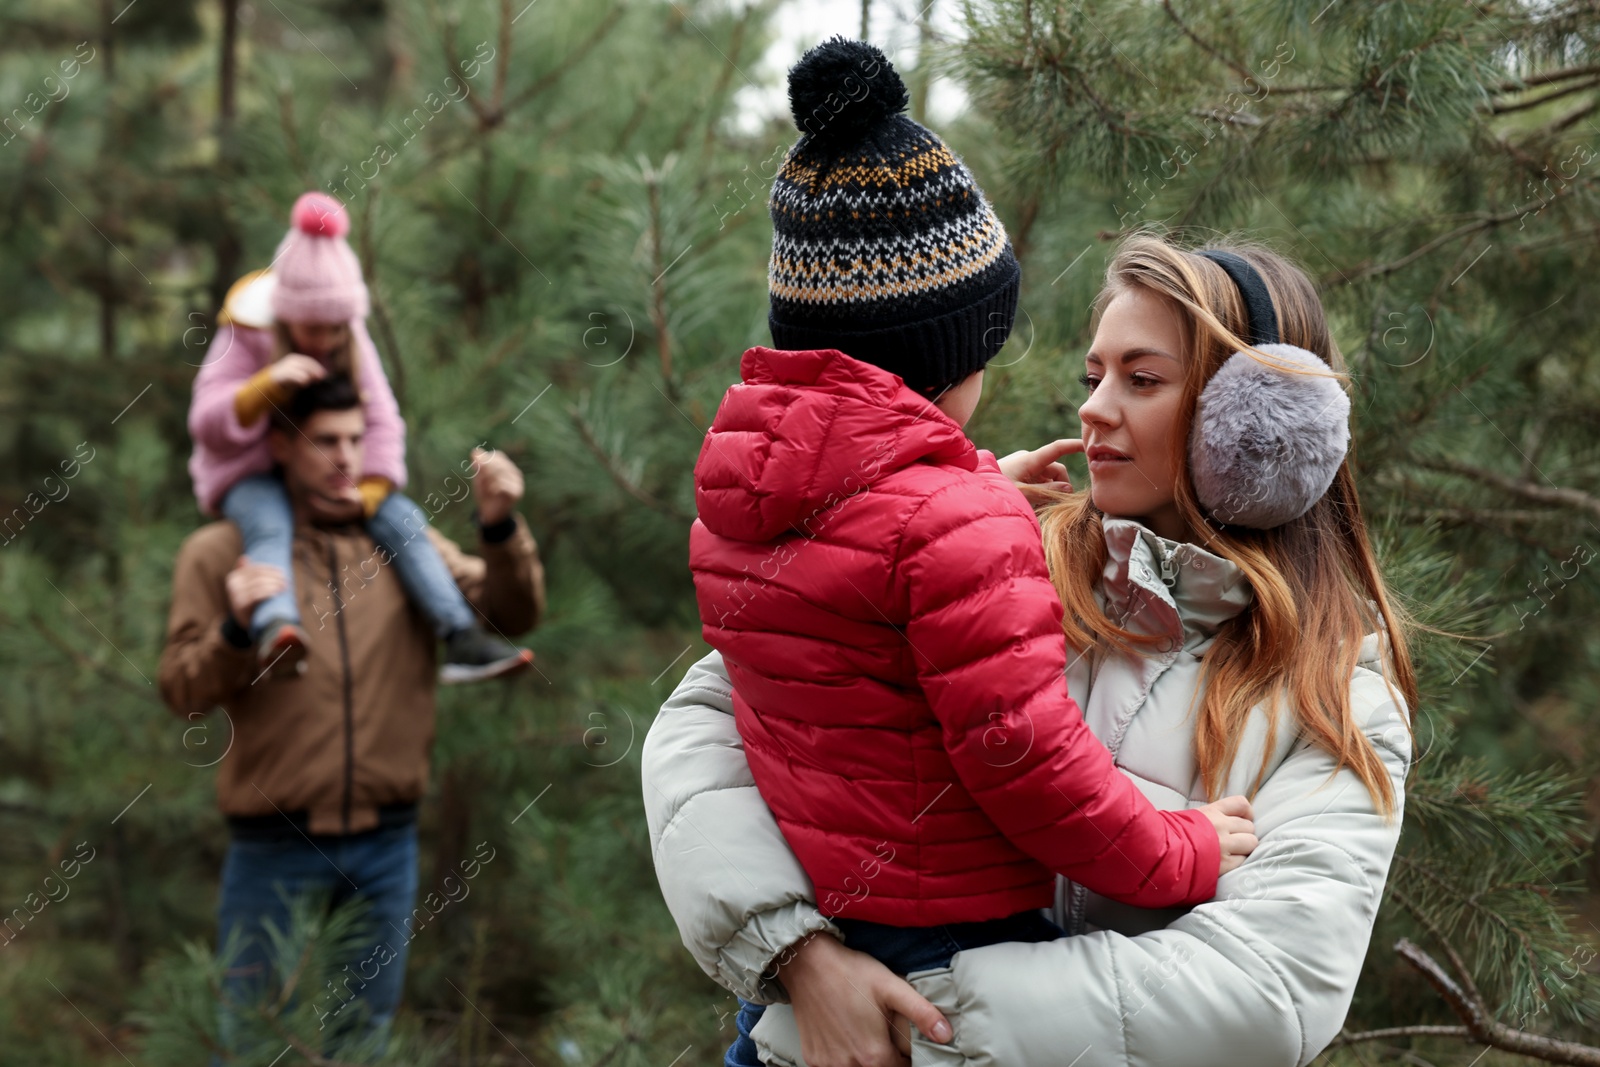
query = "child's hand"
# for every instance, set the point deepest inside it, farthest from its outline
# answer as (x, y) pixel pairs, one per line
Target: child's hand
(295, 371)
(1231, 816)
(1041, 467)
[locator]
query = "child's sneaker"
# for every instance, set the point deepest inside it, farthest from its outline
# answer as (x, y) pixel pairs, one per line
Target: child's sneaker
(281, 649)
(472, 655)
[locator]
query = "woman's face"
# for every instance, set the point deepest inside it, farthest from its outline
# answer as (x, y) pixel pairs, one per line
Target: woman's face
(316, 339)
(1134, 372)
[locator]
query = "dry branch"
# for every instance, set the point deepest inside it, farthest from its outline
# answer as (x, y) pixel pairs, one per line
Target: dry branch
(1482, 1027)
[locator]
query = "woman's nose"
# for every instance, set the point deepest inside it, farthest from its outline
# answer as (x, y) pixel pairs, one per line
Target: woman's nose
(1100, 409)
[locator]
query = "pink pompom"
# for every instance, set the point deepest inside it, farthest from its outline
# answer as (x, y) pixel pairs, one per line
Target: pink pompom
(319, 215)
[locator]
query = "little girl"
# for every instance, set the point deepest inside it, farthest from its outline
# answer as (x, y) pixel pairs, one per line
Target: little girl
(301, 320)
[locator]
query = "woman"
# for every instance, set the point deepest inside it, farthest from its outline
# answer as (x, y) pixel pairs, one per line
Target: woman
(1222, 645)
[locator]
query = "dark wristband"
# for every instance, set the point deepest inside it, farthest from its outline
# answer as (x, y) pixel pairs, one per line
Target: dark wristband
(500, 531)
(234, 634)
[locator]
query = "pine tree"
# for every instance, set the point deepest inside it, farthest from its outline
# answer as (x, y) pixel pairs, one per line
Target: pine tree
(560, 208)
(1430, 164)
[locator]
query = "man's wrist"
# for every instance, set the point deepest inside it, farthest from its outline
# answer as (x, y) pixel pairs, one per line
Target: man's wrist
(233, 634)
(494, 533)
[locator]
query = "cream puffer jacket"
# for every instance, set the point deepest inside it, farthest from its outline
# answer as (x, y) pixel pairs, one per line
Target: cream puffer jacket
(1262, 975)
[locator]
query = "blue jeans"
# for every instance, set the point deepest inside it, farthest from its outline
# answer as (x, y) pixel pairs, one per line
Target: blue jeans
(904, 950)
(259, 506)
(259, 879)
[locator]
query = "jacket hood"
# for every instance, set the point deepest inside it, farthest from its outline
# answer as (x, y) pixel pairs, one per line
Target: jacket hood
(804, 432)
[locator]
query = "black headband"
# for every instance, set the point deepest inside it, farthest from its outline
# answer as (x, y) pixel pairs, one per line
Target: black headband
(1262, 316)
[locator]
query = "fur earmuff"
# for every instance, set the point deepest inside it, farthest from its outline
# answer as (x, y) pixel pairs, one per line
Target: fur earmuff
(1267, 440)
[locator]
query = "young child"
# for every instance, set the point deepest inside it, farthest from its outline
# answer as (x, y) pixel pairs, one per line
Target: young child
(299, 321)
(878, 587)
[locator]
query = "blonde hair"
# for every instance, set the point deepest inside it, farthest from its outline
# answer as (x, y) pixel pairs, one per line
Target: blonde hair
(1318, 589)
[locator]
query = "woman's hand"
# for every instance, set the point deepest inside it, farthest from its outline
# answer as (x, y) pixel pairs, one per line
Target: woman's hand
(1231, 817)
(1041, 467)
(853, 1011)
(295, 371)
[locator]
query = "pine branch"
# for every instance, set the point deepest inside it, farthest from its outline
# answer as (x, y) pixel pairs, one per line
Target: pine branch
(1556, 94)
(1573, 117)
(88, 663)
(1487, 222)
(1558, 495)
(1549, 77)
(607, 462)
(1478, 515)
(572, 59)
(1205, 46)
(1483, 1028)
(447, 41)
(1347, 1038)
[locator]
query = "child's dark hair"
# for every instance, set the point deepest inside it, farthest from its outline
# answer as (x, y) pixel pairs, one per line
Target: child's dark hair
(333, 393)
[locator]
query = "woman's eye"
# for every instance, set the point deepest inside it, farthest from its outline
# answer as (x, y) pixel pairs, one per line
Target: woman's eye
(1087, 382)
(1143, 381)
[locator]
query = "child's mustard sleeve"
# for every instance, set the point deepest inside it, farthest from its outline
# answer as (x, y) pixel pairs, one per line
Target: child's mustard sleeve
(257, 395)
(375, 489)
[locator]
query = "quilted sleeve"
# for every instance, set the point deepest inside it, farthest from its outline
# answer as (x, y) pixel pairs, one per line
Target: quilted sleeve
(985, 630)
(738, 894)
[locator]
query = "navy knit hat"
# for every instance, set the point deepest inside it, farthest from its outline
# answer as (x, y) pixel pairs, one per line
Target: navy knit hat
(883, 246)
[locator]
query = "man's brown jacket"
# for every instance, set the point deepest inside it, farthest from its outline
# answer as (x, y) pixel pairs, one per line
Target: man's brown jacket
(351, 734)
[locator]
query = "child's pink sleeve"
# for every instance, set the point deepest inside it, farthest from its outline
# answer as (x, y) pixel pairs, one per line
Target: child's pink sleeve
(232, 357)
(985, 631)
(385, 438)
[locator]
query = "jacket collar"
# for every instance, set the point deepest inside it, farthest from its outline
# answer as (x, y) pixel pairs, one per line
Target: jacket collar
(1161, 587)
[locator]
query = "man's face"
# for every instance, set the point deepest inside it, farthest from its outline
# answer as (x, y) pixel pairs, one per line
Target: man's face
(321, 462)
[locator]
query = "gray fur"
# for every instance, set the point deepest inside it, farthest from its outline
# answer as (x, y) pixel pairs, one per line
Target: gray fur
(1266, 443)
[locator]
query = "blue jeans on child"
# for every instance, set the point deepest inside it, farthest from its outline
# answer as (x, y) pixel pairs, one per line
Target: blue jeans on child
(904, 950)
(262, 872)
(259, 506)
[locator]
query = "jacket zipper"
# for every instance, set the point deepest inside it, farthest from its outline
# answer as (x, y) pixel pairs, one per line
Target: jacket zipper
(1169, 565)
(349, 703)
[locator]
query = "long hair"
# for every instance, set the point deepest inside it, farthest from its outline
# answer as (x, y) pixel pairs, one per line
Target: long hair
(1318, 590)
(340, 360)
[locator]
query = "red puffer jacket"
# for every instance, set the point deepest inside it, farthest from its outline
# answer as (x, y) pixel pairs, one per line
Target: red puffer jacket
(879, 593)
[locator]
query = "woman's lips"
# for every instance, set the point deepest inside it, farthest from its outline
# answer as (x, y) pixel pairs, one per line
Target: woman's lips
(1100, 457)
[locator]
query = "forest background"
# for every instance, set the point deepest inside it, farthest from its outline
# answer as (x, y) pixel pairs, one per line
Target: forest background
(560, 209)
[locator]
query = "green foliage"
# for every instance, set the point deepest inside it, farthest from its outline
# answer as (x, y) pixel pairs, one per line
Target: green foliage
(563, 228)
(1431, 165)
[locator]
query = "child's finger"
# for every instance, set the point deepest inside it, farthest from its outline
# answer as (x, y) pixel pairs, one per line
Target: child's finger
(1234, 805)
(1064, 446)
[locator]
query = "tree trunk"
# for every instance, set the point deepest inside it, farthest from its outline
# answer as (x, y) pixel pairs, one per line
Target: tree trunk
(924, 75)
(228, 246)
(455, 823)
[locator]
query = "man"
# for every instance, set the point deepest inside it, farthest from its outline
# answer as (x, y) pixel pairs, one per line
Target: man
(321, 780)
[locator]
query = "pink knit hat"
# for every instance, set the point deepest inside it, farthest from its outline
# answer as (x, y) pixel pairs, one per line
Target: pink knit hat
(318, 275)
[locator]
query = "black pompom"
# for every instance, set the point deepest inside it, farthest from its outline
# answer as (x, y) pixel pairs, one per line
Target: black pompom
(843, 89)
